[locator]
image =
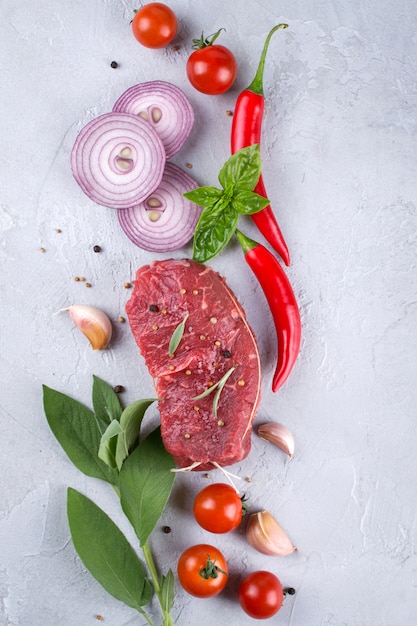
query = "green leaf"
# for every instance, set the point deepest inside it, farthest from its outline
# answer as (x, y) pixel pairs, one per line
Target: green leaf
(130, 423)
(242, 169)
(177, 336)
(106, 403)
(204, 196)
(105, 552)
(167, 591)
(219, 385)
(213, 232)
(108, 442)
(145, 484)
(76, 429)
(248, 202)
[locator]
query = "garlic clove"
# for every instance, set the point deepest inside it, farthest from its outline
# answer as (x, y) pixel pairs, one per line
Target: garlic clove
(93, 323)
(265, 535)
(279, 435)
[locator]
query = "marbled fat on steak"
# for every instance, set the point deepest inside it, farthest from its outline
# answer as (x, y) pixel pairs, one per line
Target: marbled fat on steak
(217, 340)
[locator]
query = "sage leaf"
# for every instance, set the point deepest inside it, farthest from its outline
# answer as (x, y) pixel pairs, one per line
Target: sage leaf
(130, 423)
(177, 336)
(242, 169)
(204, 196)
(76, 429)
(167, 591)
(145, 484)
(214, 230)
(106, 403)
(108, 442)
(105, 552)
(248, 202)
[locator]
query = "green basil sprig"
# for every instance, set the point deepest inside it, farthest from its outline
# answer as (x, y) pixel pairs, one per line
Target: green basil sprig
(106, 444)
(222, 207)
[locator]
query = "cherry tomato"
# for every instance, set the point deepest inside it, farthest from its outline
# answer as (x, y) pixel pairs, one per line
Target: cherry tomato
(155, 25)
(211, 68)
(218, 508)
(202, 571)
(260, 594)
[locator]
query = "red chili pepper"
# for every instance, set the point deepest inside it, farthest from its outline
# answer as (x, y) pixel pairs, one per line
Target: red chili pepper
(246, 130)
(282, 302)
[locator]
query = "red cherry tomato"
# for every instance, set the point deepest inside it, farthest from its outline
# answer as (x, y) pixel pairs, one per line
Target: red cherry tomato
(155, 25)
(202, 571)
(211, 68)
(261, 595)
(218, 508)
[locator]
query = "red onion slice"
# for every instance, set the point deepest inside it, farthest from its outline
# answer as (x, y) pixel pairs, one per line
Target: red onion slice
(118, 160)
(165, 107)
(166, 220)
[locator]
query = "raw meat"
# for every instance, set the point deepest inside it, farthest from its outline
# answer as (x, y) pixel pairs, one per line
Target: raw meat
(217, 340)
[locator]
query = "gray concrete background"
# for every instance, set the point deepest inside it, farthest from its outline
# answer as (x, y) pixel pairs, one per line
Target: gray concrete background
(339, 153)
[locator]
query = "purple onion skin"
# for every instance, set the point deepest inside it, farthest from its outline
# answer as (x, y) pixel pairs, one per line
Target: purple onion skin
(118, 160)
(166, 108)
(177, 219)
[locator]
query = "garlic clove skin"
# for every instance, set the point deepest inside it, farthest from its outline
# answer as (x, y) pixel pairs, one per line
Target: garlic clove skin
(265, 535)
(93, 323)
(279, 435)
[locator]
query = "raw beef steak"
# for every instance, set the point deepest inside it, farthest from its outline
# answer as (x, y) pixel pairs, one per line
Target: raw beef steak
(217, 343)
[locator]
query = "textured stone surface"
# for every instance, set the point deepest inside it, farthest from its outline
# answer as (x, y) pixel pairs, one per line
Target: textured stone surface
(339, 152)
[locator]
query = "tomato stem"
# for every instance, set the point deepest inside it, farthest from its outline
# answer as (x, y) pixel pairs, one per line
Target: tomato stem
(211, 570)
(245, 508)
(204, 42)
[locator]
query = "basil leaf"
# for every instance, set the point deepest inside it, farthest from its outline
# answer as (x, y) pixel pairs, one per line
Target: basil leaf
(76, 429)
(242, 169)
(145, 484)
(167, 591)
(213, 232)
(106, 403)
(247, 202)
(105, 551)
(130, 423)
(108, 442)
(177, 336)
(204, 196)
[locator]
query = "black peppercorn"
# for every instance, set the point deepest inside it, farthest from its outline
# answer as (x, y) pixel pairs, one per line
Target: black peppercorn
(97, 249)
(154, 308)
(290, 591)
(114, 64)
(227, 354)
(119, 389)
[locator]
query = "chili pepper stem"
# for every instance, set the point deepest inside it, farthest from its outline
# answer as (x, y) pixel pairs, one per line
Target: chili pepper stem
(256, 85)
(246, 242)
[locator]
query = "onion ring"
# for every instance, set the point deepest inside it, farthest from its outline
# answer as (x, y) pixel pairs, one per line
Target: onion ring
(166, 220)
(165, 107)
(118, 160)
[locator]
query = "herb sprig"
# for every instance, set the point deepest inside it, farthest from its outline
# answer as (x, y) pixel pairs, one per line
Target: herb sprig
(106, 444)
(218, 388)
(222, 207)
